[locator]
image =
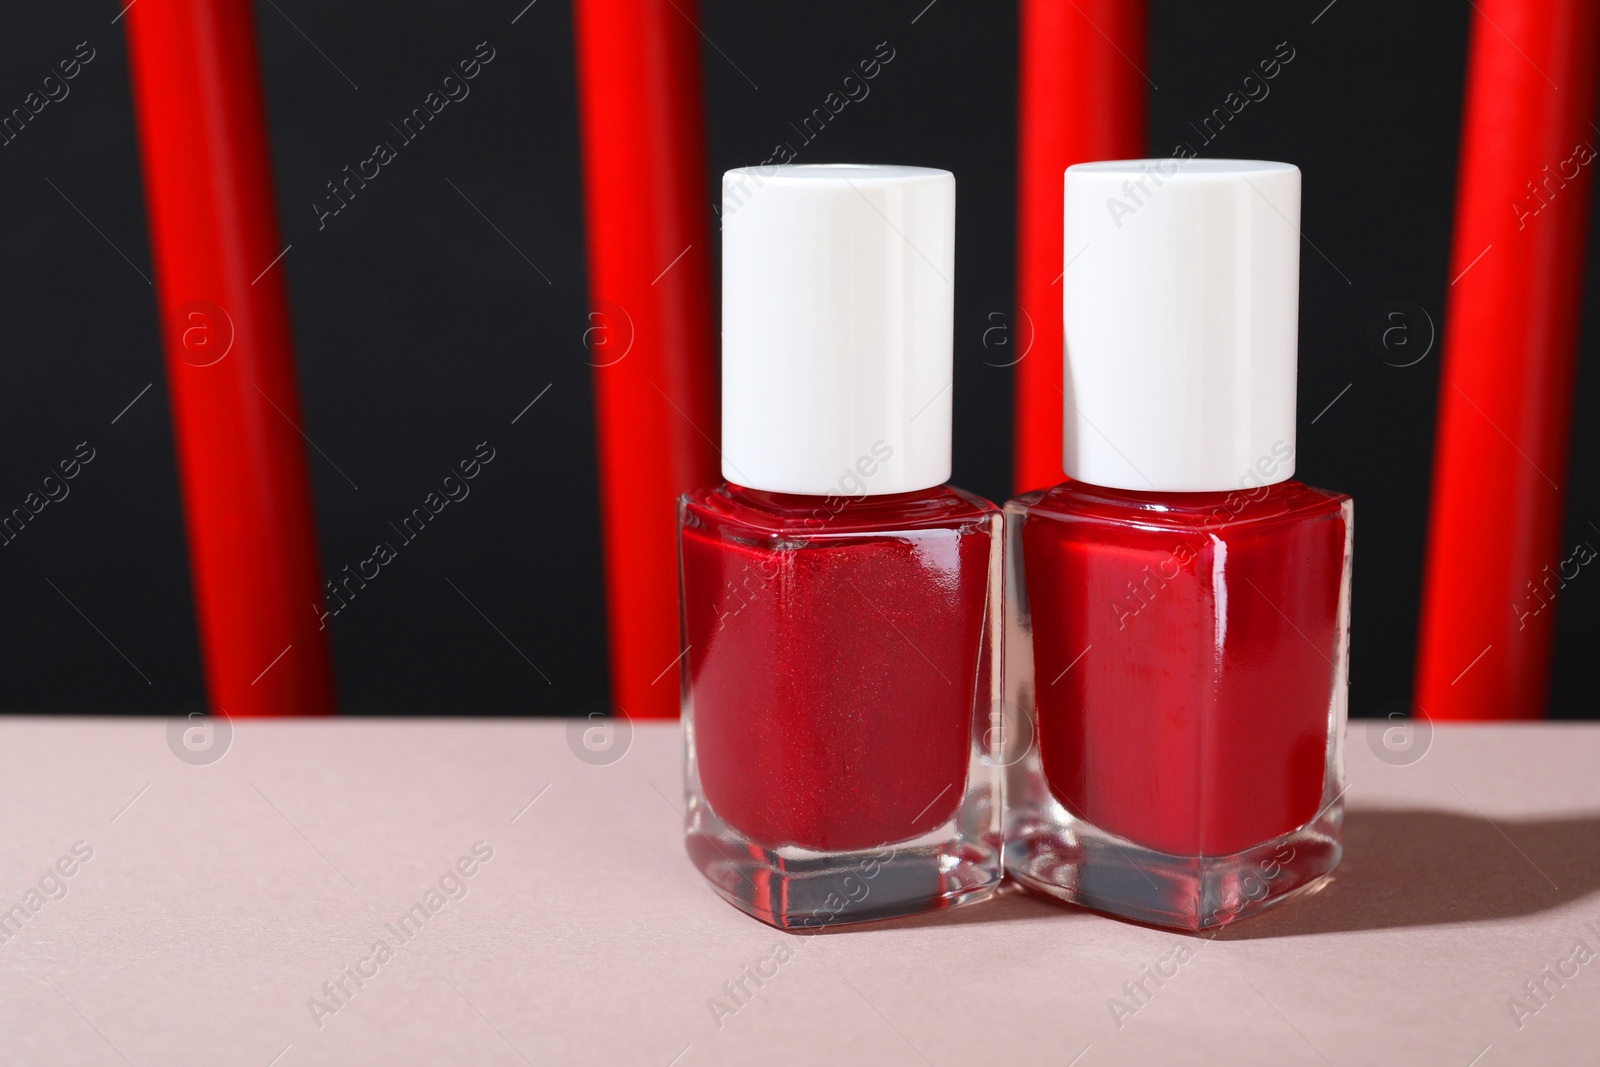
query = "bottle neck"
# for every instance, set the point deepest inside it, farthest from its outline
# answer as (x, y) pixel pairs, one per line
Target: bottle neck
(842, 501)
(1186, 510)
(837, 513)
(1168, 500)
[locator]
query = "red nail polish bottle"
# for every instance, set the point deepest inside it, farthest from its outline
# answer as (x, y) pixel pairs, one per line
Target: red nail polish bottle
(1179, 609)
(841, 621)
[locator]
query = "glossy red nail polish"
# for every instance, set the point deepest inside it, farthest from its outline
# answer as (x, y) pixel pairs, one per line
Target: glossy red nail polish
(1180, 609)
(840, 603)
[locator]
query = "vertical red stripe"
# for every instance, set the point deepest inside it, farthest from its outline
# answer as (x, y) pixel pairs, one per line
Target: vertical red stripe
(1491, 583)
(650, 318)
(1081, 98)
(230, 371)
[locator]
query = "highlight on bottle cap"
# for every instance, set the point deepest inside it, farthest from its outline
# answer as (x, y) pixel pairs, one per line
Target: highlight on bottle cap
(837, 317)
(1180, 301)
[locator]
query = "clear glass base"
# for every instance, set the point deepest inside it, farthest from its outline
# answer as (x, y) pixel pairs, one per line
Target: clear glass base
(1070, 859)
(796, 889)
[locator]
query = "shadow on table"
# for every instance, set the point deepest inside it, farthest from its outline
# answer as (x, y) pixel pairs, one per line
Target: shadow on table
(1420, 868)
(1400, 868)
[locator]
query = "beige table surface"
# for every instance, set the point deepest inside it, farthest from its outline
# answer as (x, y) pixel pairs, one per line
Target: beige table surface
(218, 899)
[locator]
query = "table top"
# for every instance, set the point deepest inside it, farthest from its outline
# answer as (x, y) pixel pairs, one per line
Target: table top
(534, 905)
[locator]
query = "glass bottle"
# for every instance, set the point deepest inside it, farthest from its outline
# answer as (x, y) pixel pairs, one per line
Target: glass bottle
(1179, 609)
(841, 621)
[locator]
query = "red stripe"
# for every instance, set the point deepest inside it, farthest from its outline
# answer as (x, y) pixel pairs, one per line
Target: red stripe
(1510, 336)
(1081, 98)
(241, 464)
(646, 192)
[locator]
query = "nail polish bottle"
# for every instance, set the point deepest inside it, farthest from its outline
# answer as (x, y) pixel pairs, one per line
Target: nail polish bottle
(1178, 610)
(841, 612)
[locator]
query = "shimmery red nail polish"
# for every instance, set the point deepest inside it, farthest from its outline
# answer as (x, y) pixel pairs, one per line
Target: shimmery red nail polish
(840, 603)
(1179, 610)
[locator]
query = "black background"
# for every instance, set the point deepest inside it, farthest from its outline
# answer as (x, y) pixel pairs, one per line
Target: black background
(420, 331)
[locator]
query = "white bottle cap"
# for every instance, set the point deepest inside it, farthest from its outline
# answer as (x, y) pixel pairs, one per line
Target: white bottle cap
(837, 305)
(1180, 294)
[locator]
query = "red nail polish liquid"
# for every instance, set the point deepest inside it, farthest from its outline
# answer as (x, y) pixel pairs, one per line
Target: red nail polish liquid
(1186, 652)
(840, 619)
(839, 670)
(1179, 612)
